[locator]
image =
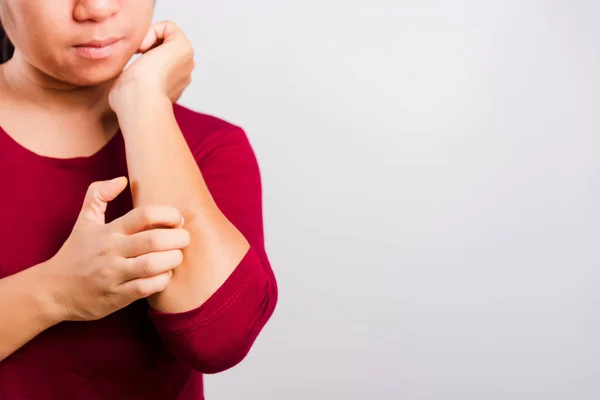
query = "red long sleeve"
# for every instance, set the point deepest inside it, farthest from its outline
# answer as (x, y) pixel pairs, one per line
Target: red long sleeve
(136, 352)
(219, 333)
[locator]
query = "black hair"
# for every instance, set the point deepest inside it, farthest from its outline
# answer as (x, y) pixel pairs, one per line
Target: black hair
(6, 47)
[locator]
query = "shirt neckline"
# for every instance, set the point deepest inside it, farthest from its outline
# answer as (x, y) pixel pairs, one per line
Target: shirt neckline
(22, 153)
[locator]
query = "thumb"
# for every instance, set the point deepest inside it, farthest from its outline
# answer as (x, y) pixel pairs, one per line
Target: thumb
(97, 197)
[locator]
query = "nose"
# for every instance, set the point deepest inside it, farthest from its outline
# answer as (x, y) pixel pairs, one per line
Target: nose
(95, 10)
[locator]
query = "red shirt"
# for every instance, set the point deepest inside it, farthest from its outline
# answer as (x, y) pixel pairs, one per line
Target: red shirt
(136, 352)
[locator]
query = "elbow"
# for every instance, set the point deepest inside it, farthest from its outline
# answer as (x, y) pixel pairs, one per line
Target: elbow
(219, 359)
(220, 352)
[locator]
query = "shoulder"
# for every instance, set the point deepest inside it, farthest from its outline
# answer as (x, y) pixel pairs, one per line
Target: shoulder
(196, 123)
(207, 134)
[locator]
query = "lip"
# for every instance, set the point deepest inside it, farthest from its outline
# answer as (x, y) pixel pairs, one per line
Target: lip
(97, 49)
(99, 42)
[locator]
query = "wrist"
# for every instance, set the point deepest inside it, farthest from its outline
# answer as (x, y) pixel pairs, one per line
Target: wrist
(45, 296)
(136, 113)
(135, 96)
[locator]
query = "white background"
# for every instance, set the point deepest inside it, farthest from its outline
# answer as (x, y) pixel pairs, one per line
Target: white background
(431, 189)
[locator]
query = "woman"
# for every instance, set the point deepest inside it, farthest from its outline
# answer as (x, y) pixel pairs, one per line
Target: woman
(132, 255)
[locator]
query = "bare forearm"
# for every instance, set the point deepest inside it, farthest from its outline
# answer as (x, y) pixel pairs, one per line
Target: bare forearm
(162, 170)
(26, 309)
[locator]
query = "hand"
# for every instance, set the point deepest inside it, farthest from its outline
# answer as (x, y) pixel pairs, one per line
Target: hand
(102, 268)
(164, 69)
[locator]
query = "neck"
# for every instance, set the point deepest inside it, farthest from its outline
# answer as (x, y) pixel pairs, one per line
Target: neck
(43, 91)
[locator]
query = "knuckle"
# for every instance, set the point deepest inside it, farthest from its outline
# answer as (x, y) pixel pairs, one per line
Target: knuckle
(148, 214)
(114, 302)
(171, 25)
(141, 289)
(104, 272)
(151, 242)
(129, 265)
(94, 187)
(106, 248)
(163, 285)
(149, 265)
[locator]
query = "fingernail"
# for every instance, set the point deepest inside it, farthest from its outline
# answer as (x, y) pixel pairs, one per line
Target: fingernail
(170, 273)
(182, 221)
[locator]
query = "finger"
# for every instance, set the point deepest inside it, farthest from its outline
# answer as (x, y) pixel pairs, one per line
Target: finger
(165, 31)
(144, 287)
(97, 197)
(153, 264)
(149, 42)
(147, 217)
(154, 240)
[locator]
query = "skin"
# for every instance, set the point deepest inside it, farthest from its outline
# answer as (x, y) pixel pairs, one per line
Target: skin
(83, 102)
(47, 81)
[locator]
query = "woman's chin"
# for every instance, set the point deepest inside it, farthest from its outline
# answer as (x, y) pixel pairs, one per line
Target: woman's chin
(93, 76)
(87, 72)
